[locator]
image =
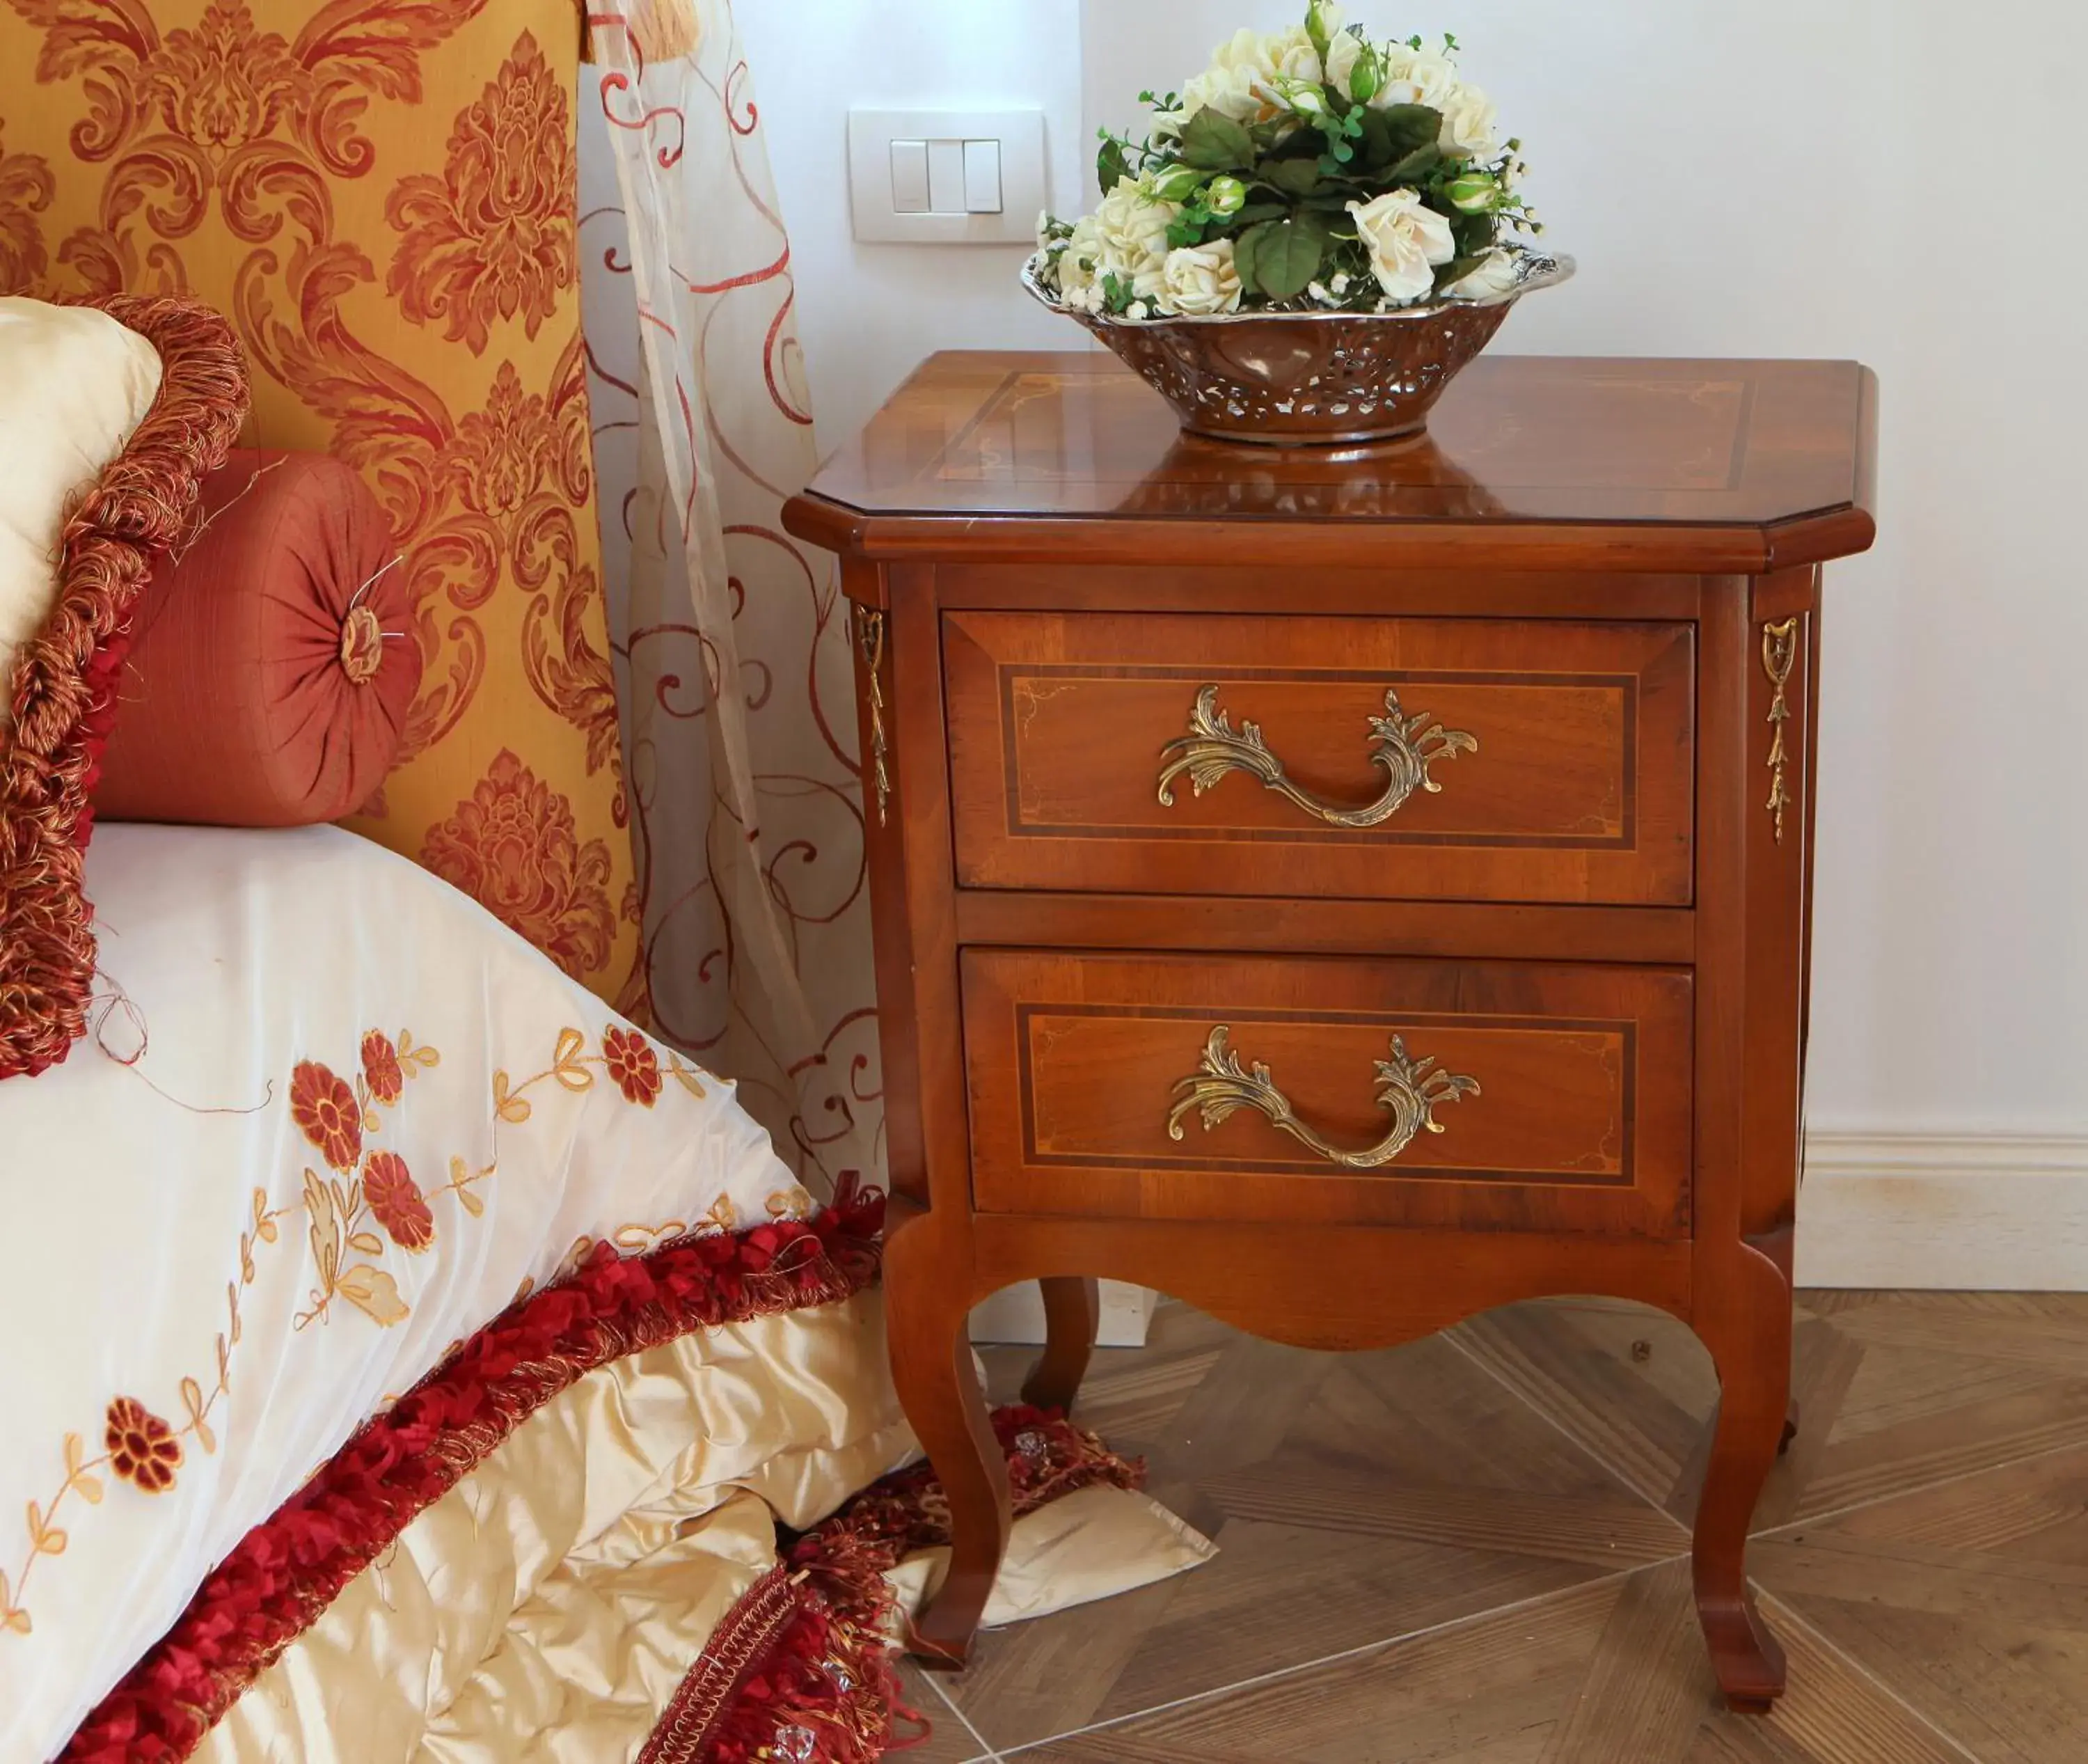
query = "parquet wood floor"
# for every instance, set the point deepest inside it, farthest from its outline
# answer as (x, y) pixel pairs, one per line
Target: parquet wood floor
(1471, 1550)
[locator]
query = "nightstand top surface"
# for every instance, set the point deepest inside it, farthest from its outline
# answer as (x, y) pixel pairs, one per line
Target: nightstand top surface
(1042, 437)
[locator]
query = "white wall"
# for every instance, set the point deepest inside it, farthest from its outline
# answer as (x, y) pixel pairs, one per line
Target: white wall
(1886, 179)
(1780, 178)
(870, 313)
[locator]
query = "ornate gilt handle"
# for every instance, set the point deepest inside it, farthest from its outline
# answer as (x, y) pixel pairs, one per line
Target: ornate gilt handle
(1405, 746)
(1409, 1089)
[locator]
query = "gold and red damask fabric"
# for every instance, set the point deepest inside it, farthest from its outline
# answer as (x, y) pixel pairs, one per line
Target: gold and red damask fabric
(380, 194)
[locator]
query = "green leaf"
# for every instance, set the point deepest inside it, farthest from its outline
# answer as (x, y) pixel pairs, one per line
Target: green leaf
(1374, 145)
(1211, 142)
(1293, 176)
(1244, 248)
(1286, 257)
(1457, 269)
(1415, 167)
(1255, 211)
(1111, 167)
(1409, 126)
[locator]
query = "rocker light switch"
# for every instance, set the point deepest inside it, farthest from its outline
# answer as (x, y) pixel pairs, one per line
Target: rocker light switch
(909, 177)
(947, 177)
(982, 176)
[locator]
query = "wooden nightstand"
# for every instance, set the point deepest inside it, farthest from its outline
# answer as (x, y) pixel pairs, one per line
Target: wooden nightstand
(1346, 890)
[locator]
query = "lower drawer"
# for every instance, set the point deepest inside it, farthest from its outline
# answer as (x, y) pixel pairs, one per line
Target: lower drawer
(1467, 1095)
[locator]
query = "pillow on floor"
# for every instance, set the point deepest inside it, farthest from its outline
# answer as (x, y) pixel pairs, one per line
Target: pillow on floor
(104, 448)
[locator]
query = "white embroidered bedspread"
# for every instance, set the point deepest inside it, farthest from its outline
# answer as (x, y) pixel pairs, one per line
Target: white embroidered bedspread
(334, 1118)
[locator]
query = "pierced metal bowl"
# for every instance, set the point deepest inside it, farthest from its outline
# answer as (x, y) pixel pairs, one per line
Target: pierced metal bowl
(1309, 378)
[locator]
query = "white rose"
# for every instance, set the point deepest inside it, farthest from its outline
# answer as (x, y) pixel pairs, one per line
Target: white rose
(1497, 271)
(1236, 83)
(1416, 76)
(1344, 50)
(1290, 55)
(1406, 241)
(1199, 279)
(1132, 227)
(1080, 264)
(1469, 121)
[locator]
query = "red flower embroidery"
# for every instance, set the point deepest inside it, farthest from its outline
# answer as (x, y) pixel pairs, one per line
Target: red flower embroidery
(513, 847)
(394, 1197)
(142, 1448)
(629, 1059)
(324, 1106)
(380, 1067)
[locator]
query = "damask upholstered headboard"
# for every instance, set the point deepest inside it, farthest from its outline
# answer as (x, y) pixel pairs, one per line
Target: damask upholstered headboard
(380, 194)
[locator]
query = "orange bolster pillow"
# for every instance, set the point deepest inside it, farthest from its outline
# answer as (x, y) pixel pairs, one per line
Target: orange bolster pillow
(273, 661)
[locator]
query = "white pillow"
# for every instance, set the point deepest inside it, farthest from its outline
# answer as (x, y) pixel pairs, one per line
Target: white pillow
(1093, 1543)
(74, 386)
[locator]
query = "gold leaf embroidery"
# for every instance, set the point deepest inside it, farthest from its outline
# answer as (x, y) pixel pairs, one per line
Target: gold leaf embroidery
(76, 1477)
(326, 1230)
(641, 1237)
(566, 1066)
(470, 1202)
(374, 1292)
(686, 1077)
(508, 1106)
(192, 1401)
(264, 1221)
(366, 1243)
(45, 1538)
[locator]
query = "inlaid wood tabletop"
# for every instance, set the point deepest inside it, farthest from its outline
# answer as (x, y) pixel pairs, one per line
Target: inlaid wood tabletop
(1769, 446)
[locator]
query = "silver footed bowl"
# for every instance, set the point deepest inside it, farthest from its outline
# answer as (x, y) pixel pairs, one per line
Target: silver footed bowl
(1309, 378)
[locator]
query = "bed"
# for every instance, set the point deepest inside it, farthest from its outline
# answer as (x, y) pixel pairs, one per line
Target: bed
(335, 1134)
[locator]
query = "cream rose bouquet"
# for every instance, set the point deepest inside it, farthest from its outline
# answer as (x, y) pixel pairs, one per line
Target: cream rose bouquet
(1311, 169)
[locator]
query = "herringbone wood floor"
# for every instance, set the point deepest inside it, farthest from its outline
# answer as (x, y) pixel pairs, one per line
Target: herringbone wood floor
(1471, 1550)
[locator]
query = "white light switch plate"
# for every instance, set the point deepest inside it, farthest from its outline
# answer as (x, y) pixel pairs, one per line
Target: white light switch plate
(878, 219)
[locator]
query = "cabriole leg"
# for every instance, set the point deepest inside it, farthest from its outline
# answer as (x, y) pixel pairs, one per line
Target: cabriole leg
(1748, 1332)
(925, 1315)
(1072, 1309)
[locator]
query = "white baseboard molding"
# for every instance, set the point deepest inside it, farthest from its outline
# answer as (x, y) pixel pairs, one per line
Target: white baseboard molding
(1994, 1212)
(1015, 1314)
(1981, 1213)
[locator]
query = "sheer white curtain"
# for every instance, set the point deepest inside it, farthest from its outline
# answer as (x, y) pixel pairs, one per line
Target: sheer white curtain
(732, 643)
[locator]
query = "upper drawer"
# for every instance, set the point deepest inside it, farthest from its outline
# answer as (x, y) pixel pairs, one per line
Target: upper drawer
(1468, 759)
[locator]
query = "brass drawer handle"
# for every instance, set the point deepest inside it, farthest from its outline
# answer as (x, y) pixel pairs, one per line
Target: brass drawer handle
(1410, 1089)
(1405, 746)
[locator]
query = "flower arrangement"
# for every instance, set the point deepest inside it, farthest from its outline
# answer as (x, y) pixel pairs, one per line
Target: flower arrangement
(1311, 169)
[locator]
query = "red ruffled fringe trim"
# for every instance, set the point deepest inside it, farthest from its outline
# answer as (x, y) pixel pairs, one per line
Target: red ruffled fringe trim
(802, 1667)
(290, 1568)
(62, 689)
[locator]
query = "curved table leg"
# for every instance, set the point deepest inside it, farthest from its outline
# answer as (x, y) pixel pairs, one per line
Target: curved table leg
(1749, 1337)
(1072, 1309)
(925, 1314)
